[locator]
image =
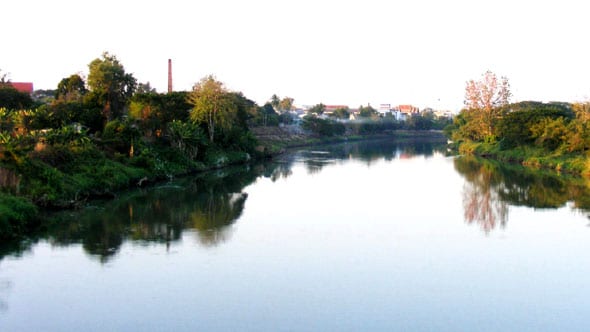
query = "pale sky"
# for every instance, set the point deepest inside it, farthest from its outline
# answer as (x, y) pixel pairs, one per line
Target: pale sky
(418, 52)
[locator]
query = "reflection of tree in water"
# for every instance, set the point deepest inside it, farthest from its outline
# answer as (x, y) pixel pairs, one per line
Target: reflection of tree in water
(316, 158)
(216, 212)
(481, 200)
(491, 186)
(208, 203)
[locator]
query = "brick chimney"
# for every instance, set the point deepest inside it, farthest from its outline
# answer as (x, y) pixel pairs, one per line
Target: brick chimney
(169, 75)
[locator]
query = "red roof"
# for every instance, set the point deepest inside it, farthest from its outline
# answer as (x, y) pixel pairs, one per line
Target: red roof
(408, 109)
(23, 86)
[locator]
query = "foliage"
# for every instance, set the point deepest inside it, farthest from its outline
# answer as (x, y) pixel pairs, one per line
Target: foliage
(16, 215)
(483, 101)
(110, 86)
(341, 113)
(367, 112)
(264, 116)
(71, 88)
(515, 127)
(286, 104)
(13, 99)
(187, 137)
(323, 127)
(211, 105)
(121, 135)
(318, 109)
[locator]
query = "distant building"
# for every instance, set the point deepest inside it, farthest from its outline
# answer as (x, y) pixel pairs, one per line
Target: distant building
(22, 86)
(384, 109)
(408, 109)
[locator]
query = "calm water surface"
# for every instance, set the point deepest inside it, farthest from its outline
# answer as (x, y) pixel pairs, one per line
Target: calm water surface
(372, 236)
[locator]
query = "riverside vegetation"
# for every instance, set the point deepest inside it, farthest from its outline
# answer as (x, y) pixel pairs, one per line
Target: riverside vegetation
(553, 135)
(91, 138)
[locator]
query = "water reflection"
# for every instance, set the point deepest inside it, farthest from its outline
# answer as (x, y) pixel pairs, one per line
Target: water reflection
(209, 204)
(367, 152)
(492, 186)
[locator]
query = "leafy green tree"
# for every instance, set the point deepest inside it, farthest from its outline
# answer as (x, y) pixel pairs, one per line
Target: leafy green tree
(266, 116)
(110, 85)
(550, 133)
(286, 104)
(341, 113)
(71, 88)
(145, 88)
(154, 111)
(514, 128)
(187, 137)
(367, 112)
(317, 109)
(211, 105)
(11, 98)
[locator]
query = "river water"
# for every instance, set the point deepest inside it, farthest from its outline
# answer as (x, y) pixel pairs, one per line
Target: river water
(370, 236)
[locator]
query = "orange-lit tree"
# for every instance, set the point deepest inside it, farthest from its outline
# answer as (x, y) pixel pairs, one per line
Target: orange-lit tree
(483, 102)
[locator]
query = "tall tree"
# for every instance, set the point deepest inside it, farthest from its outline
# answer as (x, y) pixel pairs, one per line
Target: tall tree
(211, 105)
(484, 99)
(110, 84)
(71, 88)
(275, 101)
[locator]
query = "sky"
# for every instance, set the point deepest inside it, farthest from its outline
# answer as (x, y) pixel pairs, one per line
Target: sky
(418, 52)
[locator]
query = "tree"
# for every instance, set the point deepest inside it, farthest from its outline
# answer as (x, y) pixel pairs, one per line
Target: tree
(11, 98)
(367, 112)
(286, 104)
(275, 101)
(341, 113)
(210, 105)
(71, 88)
(110, 85)
(484, 98)
(145, 88)
(317, 109)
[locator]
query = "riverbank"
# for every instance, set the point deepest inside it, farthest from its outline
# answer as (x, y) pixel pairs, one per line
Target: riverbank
(67, 178)
(530, 156)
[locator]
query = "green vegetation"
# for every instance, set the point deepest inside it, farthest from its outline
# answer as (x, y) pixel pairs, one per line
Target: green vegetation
(552, 135)
(93, 138)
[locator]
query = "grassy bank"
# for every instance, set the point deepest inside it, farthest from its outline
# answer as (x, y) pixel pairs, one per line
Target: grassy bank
(531, 156)
(58, 177)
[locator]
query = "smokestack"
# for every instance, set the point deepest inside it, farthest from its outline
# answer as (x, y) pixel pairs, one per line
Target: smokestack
(169, 75)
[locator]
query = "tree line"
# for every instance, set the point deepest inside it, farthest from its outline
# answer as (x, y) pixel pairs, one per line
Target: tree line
(528, 131)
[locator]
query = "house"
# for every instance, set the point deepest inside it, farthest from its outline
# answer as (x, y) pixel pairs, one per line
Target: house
(408, 109)
(26, 87)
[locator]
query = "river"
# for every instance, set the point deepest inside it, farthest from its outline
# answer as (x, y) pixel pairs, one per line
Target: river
(366, 236)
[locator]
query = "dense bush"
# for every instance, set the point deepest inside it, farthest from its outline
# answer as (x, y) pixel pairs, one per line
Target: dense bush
(16, 215)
